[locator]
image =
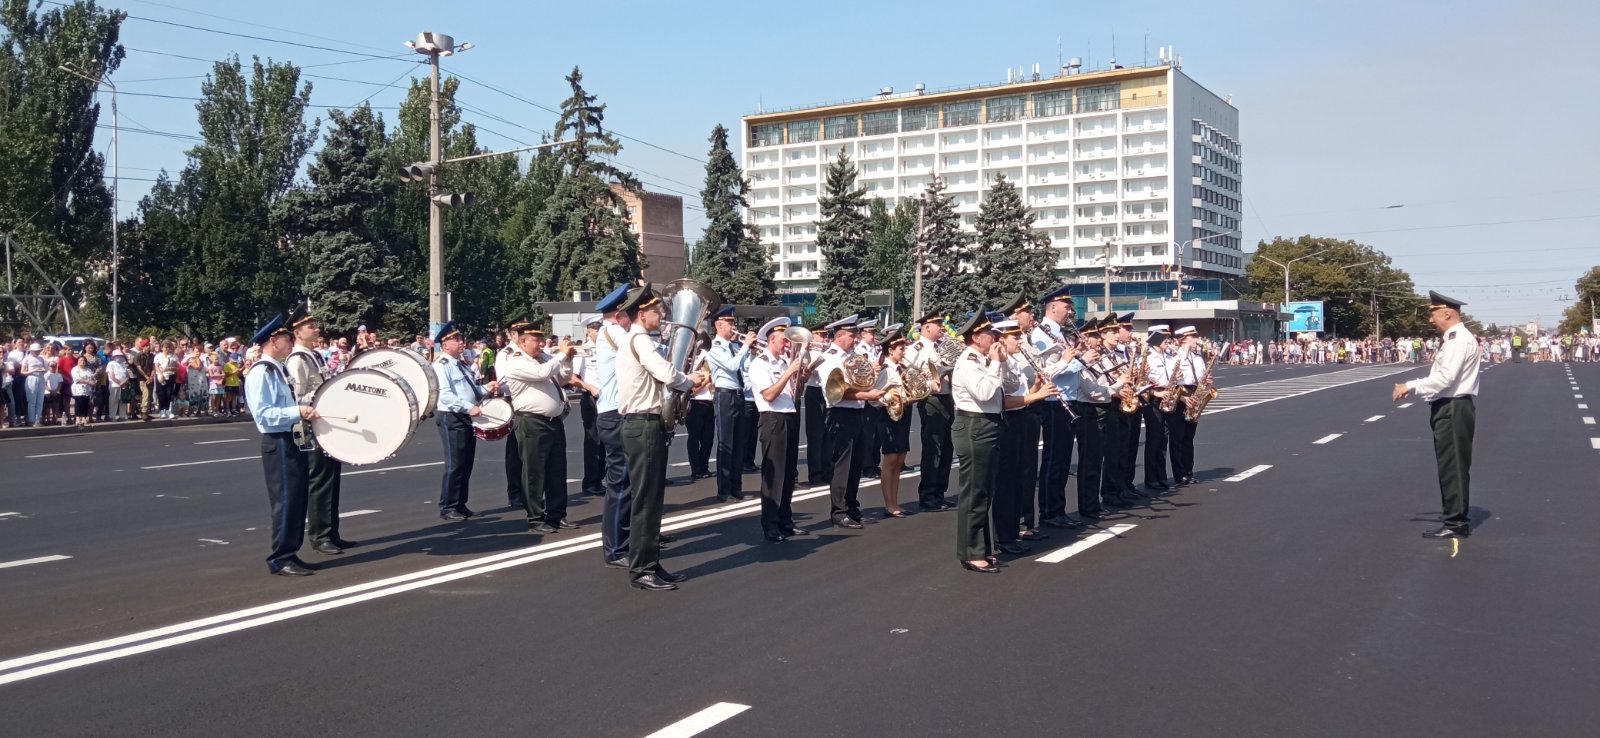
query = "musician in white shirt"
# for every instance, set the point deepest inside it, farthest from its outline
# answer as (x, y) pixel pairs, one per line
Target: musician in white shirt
(847, 428)
(894, 436)
(1185, 369)
(978, 383)
(536, 383)
(770, 376)
(306, 371)
(584, 380)
(936, 413)
(867, 345)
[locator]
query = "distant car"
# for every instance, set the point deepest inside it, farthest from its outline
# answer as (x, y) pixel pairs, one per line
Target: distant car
(75, 342)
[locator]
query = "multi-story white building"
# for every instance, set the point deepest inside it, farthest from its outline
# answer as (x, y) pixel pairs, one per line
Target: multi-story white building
(1137, 162)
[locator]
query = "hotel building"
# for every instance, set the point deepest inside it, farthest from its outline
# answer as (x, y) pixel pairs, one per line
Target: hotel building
(1133, 162)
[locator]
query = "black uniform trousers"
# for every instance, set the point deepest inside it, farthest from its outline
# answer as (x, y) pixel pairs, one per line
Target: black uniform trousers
(747, 435)
(1180, 442)
(594, 454)
(876, 417)
(287, 479)
(1130, 447)
(1155, 442)
(1018, 463)
(1056, 466)
(322, 505)
(543, 442)
(616, 517)
(516, 486)
(780, 470)
(644, 442)
(1454, 421)
(1091, 432)
(977, 438)
(847, 429)
(700, 424)
(460, 450)
(730, 445)
(937, 413)
(819, 457)
(1114, 438)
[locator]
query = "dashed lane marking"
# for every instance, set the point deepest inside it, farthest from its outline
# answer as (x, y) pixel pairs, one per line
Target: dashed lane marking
(700, 721)
(1583, 406)
(39, 560)
(354, 513)
(217, 541)
(1248, 473)
(1066, 552)
(389, 468)
(63, 453)
(1373, 419)
(1327, 438)
(1595, 442)
(1588, 420)
(197, 463)
(1402, 407)
(9, 514)
(225, 440)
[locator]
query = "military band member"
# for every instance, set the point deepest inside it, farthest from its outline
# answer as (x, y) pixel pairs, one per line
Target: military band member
(977, 383)
(459, 399)
(847, 432)
(725, 359)
(276, 415)
(1094, 405)
(1019, 446)
(819, 465)
(1128, 350)
(536, 383)
(1187, 366)
(1155, 426)
(1059, 427)
(745, 434)
(1449, 389)
(306, 371)
(643, 376)
(867, 345)
(936, 412)
(700, 426)
(516, 492)
(1111, 368)
(770, 376)
(584, 380)
(894, 436)
(617, 513)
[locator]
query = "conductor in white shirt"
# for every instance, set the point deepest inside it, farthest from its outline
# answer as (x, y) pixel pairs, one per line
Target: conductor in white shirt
(1449, 390)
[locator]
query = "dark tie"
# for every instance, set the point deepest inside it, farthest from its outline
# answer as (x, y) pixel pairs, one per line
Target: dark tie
(477, 392)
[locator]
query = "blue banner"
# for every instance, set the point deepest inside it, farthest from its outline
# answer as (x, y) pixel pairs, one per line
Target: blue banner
(1308, 317)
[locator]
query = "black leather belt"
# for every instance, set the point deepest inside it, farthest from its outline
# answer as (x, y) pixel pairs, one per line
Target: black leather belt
(641, 416)
(739, 392)
(522, 414)
(970, 414)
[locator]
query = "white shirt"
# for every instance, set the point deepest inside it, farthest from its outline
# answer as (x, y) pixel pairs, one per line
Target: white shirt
(764, 371)
(116, 373)
(1455, 368)
(835, 363)
(923, 356)
(534, 384)
(1021, 371)
(643, 375)
(977, 384)
(305, 373)
(1189, 365)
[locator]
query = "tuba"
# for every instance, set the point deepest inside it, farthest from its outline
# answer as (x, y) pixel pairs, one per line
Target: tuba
(857, 372)
(688, 304)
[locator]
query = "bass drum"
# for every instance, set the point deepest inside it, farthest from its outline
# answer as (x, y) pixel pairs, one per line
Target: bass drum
(410, 367)
(493, 421)
(367, 415)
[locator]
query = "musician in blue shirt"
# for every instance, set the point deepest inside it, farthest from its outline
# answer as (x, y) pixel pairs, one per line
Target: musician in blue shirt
(726, 357)
(1059, 426)
(459, 397)
(276, 414)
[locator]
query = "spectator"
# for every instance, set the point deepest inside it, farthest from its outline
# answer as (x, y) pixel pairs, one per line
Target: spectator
(214, 382)
(116, 379)
(232, 370)
(32, 374)
(82, 390)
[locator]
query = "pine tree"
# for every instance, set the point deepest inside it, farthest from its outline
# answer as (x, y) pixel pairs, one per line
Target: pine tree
(948, 285)
(716, 254)
(842, 237)
(1011, 257)
(753, 280)
(330, 224)
(893, 249)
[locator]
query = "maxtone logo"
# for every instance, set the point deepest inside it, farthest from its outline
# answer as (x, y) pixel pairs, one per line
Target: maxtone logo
(384, 365)
(366, 390)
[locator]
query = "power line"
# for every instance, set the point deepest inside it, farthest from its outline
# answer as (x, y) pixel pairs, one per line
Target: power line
(255, 25)
(1468, 225)
(309, 105)
(221, 32)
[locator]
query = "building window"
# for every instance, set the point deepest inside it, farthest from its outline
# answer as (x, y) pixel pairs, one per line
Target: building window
(803, 131)
(1001, 109)
(840, 126)
(919, 119)
(875, 124)
(1046, 104)
(1100, 97)
(962, 113)
(770, 134)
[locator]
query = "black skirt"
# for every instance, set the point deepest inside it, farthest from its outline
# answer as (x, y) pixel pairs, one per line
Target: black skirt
(895, 435)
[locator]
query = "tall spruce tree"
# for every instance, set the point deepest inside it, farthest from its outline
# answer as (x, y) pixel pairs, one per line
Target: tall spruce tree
(330, 224)
(893, 249)
(729, 257)
(842, 236)
(948, 284)
(1011, 257)
(754, 280)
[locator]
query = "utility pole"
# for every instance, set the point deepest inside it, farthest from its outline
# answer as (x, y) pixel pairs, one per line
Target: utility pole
(435, 45)
(116, 179)
(916, 289)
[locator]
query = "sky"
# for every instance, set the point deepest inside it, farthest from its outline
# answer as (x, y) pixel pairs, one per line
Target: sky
(1477, 117)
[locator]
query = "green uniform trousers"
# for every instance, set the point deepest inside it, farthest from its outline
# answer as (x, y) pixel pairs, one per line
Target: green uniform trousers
(977, 443)
(644, 443)
(542, 444)
(1454, 419)
(322, 500)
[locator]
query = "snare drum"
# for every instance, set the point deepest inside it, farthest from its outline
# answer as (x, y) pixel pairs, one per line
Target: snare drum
(410, 367)
(493, 421)
(367, 415)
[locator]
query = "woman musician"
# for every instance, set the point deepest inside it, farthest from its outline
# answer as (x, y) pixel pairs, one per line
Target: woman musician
(894, 435)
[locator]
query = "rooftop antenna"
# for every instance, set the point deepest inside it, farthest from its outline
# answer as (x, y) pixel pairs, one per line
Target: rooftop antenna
(1146, 49)
(1059, 60)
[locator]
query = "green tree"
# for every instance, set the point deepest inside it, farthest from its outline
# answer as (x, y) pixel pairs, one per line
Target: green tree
(753, 280)
(329, 223)
(1011, 256)
(1580, 314)
(892, 249)
(842, 238)
(717, 253)
(948, 284)
(1350, 277)
(53, 197)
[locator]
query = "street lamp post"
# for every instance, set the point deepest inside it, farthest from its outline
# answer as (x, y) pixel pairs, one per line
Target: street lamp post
(435, 45)
(1177, 256)
(116, 170)
(1285, 266)
(1110, 243)
(1377, 325)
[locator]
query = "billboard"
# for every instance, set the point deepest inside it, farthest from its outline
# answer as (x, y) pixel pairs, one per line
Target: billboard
(1308, 316)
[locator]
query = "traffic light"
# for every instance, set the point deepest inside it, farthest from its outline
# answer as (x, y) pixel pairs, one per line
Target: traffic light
(418, 172)
(455, 199)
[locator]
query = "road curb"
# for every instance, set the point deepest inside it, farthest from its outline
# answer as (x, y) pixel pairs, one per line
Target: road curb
(123, 425)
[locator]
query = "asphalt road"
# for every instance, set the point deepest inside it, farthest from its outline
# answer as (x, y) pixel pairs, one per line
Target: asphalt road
(1289, 594)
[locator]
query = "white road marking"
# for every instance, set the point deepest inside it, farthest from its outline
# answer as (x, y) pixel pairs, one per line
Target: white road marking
(1577, 397)
(354, 513)
(9, 514)
(1327, 438)
(1373, 418)
(63, 453)
(700, 721)
(1405, 405)
(197, 463)
(213, 540)
(1066, 552)
(1588, 420)
(1595, 442)
(39, 560)
(1248, 473)
(225, 440)
(1583, 406)
(390, 468)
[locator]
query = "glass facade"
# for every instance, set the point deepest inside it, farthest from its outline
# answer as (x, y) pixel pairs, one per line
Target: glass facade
(962, 113)
(1101, 97)
(1048, 104)
(875, 124)
(839, 126)
(919, 119)
(1002, 109)
(803, 131)
(770, 134)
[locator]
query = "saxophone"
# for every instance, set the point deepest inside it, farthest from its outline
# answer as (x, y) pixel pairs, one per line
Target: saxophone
(1174, 385)
(1138, 376)
(1204, 393)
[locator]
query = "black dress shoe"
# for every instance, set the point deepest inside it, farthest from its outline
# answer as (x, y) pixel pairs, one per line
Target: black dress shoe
(343, 543)
(1094, 515)
(1034, 535)
(664, 538)
(751, 469)
(540, 527)
(327, 548)
(775, 537)
(928, 508)
(1445, 531)
(452, 516)
(669, 577)
(1158, 486)
(517, 504)
(985, 569)
(565, 525)
(291, 569)
(1015, 549)
(1060, 521)
(302, 564)
(617, 563)
(847, 523)
(653, 583)
(794, 532)
(465, 511)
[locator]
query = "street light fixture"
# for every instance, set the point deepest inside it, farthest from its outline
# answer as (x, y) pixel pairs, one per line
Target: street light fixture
(1177, 255)
(1285, 266)
(116, 169)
